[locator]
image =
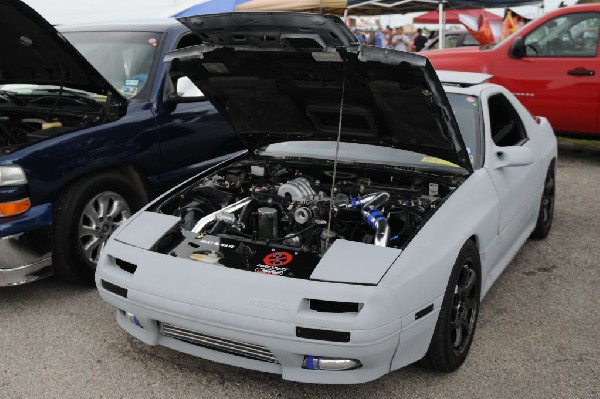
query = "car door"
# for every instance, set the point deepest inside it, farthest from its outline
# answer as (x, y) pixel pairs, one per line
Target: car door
(192, 134)
(558, 76)
(518, 197)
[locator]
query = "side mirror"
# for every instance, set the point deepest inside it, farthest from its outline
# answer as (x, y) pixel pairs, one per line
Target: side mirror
(507, 157)
(185, 92)
(517, 48)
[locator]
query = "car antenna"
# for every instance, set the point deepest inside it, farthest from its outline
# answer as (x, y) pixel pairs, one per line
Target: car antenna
(335, 160)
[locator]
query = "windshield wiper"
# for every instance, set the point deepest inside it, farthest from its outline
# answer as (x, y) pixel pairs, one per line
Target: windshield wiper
(10, 96)
(75, 94)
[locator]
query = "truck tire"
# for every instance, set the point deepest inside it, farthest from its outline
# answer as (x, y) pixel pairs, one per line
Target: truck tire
(84, 217)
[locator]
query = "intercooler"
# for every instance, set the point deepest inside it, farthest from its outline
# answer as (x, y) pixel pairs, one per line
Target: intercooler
(233, 347)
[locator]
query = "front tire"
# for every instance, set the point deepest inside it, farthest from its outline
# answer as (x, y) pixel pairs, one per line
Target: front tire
(87, 213)
(457, 320)
(546, 211)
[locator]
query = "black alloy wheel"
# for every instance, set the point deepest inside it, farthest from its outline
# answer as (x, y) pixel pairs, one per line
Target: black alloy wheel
(546, 211)
(457, 320)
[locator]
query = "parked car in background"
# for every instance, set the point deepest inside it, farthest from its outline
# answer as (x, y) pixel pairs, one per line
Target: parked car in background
(330, 266)
(82, 150)
(551, 65)
(453, 39)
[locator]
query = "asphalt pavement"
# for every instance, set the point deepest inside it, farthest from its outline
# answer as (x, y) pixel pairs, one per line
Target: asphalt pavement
(538, 334)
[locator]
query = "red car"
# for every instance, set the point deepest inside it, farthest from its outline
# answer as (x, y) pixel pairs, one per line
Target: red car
(551, 65)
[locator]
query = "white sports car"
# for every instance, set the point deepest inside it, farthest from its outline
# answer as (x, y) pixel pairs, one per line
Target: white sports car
(370, 215)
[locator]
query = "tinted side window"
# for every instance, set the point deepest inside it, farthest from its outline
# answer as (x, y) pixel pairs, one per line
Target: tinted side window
(506, 125)
(572, 35)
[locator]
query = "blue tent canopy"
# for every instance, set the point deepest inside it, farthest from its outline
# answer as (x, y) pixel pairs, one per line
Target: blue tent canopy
(209, 7)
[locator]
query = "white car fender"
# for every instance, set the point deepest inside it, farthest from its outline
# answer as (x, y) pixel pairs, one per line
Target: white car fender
(421, 272)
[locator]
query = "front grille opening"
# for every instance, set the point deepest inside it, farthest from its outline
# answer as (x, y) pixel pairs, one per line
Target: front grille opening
(124, 265)
(115, 289)
(225, 345)
(334, 307)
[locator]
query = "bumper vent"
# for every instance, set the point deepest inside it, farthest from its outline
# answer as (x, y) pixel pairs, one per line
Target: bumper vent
(334, 307)
(322, 335)
(115, 289)
(238, 348)
(128, 267)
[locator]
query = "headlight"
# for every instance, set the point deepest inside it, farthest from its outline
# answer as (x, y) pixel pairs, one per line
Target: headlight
(12, 175)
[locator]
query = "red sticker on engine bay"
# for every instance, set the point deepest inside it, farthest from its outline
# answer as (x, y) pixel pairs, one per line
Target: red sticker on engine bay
(278, 259)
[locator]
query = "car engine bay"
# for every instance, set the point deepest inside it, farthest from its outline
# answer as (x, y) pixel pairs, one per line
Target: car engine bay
(26, 119)
(278, 217)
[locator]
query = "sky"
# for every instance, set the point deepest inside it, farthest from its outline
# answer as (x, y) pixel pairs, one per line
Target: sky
(82, 11)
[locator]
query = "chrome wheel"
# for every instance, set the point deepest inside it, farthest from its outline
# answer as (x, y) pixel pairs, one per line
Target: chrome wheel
(100, 218)
(464, 309)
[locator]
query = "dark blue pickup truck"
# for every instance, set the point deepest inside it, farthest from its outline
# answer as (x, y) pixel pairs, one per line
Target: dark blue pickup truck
(83, 147)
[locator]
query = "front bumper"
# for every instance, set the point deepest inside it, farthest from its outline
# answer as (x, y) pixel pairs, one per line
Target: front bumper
(221, 304)
(375, 349)
(25, 247)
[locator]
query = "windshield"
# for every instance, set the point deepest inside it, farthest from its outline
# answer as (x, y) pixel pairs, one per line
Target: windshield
(125, 59)
(466, 110)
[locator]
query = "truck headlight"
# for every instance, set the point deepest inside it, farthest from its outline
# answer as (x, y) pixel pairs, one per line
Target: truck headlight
(12, 175)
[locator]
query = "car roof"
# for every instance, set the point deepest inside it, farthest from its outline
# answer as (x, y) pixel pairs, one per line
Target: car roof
(159, 24)
(462, 78)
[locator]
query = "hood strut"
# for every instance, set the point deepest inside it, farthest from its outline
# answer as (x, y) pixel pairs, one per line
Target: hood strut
(335, 160)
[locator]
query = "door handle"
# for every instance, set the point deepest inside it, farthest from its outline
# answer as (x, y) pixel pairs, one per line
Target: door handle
(581, 72)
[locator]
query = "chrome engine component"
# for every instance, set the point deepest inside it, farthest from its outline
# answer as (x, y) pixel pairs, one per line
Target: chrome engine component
(293, 240)
(302, 215)
(298, 189)
(213, 216)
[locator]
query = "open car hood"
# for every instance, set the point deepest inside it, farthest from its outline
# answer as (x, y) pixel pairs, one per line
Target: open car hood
(34, 52)
(280, 76)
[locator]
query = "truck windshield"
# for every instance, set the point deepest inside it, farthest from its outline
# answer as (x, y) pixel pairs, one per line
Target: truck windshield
(125, 59)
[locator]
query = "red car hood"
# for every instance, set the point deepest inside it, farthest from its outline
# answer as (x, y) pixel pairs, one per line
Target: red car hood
(466, 59)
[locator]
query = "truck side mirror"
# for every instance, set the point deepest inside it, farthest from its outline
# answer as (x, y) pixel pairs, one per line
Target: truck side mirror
(517, 48)
(185, 92)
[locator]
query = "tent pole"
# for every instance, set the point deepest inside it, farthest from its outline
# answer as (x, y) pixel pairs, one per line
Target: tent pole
(442, 25)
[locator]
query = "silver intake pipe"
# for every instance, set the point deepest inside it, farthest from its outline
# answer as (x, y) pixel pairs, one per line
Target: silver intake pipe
(213, 216)
(373, 217)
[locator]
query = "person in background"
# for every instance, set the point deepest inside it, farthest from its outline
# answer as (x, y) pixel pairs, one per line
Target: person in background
(359, 35)
(419, 40)
(380, 40)
(400, 41)
(389, 37)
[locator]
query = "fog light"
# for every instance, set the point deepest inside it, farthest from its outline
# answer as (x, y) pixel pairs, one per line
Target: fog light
(133, 318)
(329, 363)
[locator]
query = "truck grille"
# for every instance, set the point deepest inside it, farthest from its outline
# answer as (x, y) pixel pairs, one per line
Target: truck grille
(244, 349)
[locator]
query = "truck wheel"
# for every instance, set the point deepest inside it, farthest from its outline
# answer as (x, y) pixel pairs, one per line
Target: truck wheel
(546, 212)
(457, 320)
(87, 213)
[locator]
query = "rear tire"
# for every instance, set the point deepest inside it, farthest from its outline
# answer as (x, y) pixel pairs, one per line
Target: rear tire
(546, 211)
(85, 216)
(457, 320)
